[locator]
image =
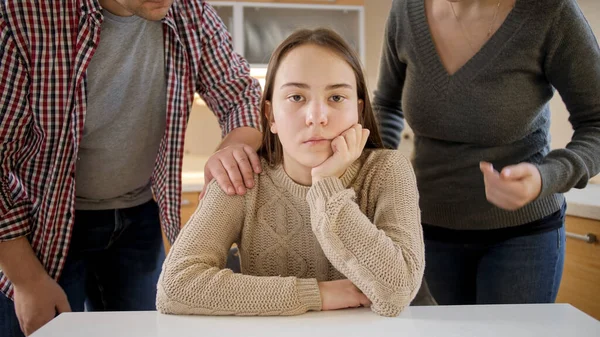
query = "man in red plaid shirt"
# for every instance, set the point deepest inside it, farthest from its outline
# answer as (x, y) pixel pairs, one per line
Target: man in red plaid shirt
(94, 102)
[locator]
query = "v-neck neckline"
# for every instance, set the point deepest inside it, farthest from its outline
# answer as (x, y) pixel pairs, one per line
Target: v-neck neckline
(430, 58)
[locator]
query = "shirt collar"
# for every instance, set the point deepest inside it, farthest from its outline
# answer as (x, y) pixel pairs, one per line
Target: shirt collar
(169, 19)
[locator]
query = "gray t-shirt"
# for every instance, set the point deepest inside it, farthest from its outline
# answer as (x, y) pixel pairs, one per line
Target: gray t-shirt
(126, 115)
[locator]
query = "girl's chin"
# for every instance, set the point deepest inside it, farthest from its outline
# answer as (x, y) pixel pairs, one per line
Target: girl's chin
(313, 163)
(311, 159)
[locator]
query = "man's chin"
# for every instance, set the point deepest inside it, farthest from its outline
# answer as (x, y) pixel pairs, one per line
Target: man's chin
(154, 15)
(152, 12)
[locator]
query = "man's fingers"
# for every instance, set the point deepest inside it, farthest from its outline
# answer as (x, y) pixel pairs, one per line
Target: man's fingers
(220, 174)
(245, 167)
(254, 159)
(233, 171)
(33, 325)
(63, 305)
(21, 324)
(208, 176)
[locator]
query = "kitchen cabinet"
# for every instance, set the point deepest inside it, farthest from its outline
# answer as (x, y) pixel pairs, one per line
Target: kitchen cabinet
(258, 27)
(580, 285)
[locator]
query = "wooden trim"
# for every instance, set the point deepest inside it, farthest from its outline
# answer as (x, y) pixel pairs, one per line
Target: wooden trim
(580, 285)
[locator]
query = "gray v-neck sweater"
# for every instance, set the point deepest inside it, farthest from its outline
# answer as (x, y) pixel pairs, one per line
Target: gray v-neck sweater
(495, 108)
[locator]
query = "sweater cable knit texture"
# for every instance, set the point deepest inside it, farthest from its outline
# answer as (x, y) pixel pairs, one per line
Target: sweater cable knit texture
(364, 226)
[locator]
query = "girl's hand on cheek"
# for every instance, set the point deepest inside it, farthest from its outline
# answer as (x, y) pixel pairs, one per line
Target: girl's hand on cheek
(346, 147)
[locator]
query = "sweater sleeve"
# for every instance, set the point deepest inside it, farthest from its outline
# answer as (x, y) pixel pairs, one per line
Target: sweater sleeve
(387, 100)
(383, 257)
(573, 67)
(194, 281)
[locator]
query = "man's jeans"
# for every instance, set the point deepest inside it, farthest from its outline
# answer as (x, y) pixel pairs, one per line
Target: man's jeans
(113, 264)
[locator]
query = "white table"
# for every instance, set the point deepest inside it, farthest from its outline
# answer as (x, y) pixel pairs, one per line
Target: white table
(542, 320)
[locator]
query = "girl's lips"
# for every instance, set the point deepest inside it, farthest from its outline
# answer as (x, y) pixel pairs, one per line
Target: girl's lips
(316, 141)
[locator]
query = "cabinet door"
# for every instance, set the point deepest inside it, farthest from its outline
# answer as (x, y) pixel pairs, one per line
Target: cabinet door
(580, 285)
(264, 27)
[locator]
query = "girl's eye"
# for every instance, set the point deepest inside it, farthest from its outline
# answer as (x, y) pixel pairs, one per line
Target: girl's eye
(337, 98)
(295, 98)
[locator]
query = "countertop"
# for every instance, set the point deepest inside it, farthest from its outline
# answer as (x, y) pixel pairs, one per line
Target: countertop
(527, 320)
(583, 203)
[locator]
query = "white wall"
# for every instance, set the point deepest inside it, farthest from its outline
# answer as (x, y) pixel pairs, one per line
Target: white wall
(376, 13)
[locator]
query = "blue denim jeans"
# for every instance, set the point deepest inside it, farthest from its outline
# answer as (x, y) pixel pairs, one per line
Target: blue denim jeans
(524, 269)
(113, 263)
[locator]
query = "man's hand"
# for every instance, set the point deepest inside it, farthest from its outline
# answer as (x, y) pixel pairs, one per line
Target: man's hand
(346, 147)
(233, 167)
(37, 302)
(341, 294)
(235, 162)
(38, 298)
(514, 187)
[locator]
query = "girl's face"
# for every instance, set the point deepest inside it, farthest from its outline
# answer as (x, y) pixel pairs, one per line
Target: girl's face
(314, 100)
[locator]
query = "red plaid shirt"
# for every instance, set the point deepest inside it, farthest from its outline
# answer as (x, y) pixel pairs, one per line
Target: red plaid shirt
(45, 48)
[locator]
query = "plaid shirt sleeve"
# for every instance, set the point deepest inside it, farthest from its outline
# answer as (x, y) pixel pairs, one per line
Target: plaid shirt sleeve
(14, 118)
(226, 85)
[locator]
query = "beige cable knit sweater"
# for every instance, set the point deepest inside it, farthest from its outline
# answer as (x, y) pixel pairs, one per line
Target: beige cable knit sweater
(364, 226)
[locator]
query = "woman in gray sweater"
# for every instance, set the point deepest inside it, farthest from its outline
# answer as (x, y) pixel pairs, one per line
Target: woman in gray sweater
(474, 79)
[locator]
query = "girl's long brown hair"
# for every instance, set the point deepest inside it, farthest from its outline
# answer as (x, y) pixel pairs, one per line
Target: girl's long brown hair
(271, 148)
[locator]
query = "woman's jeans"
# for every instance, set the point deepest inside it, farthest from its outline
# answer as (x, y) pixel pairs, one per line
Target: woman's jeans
(525, 269)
